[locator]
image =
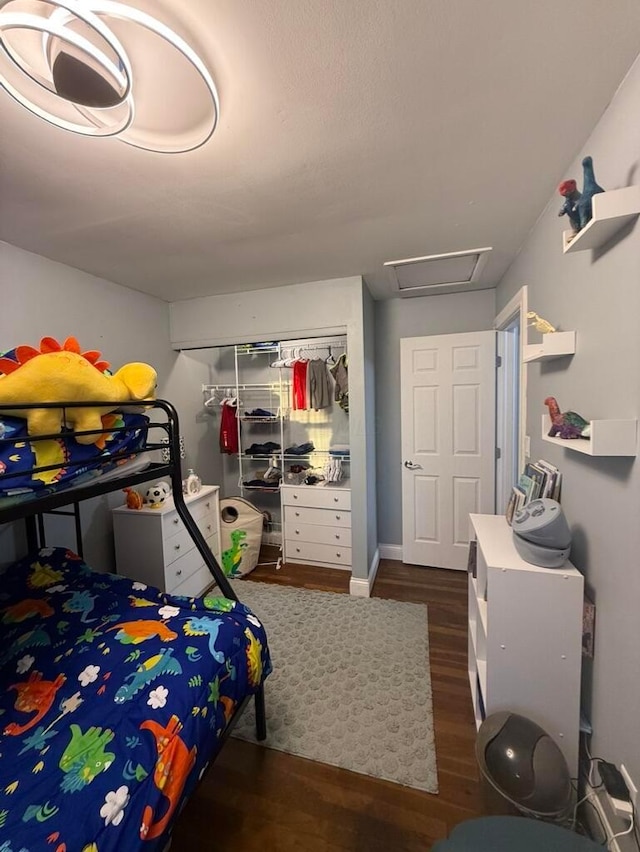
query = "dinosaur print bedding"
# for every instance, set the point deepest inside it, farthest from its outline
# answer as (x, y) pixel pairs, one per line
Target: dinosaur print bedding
(69, 462)
(113, 698)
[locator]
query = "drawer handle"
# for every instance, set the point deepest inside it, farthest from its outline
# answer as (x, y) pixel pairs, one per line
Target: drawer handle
(337, 517)
(178, 572)
(297, 514)
(176, 520)
(338, 537)
(209, 527)
(336, 499)
(208, 505)
(297, 550)
(338, 555)
(297, 532)
(295, 496)
(176, 547)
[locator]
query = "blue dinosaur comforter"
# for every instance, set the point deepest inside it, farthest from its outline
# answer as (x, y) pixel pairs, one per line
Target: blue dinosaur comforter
(71, 463)
(113, 697)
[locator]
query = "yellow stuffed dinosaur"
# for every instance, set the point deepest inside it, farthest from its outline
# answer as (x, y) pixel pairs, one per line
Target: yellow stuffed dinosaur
(63, 373)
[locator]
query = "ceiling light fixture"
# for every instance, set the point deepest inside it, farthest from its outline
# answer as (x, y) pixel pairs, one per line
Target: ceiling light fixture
(66, 62)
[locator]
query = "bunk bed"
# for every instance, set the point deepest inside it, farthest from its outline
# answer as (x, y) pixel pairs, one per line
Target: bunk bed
(114, 696)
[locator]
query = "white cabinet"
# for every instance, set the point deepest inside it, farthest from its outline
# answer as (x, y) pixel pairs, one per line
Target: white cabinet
(525, 636)
(154, 547)
(317, 525)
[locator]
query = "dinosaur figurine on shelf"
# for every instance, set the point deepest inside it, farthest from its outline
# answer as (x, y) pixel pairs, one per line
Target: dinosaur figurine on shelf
(589, 189)
(567, 424)
(540, 324)
(569, 191)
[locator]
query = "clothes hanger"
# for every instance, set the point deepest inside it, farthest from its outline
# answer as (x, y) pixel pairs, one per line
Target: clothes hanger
(330, 359)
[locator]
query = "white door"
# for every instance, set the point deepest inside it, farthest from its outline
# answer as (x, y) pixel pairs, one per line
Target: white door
(448, 443)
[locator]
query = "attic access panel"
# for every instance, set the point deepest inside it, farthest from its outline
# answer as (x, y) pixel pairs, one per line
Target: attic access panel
(418, 276)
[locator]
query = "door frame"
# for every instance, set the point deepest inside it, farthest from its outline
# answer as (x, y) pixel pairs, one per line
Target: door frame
(509, 404)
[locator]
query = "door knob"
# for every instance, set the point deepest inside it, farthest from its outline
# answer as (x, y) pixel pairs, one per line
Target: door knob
(412, 465)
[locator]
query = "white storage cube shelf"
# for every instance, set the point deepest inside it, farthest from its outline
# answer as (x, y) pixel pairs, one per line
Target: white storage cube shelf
(611, 211)
(525, 636)
(608, 438)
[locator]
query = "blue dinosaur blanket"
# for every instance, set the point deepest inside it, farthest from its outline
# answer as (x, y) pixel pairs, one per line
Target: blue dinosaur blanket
(70, 463)
(113, 698)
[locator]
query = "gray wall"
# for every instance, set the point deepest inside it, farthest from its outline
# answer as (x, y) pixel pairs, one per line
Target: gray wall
(597, 294)
(40, 298)
(395, 319)
(298, 310)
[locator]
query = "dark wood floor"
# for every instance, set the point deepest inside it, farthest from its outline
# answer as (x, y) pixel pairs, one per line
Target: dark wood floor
(255, 799)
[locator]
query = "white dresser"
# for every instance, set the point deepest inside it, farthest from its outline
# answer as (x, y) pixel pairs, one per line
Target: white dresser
(317, 525)
(154, 547)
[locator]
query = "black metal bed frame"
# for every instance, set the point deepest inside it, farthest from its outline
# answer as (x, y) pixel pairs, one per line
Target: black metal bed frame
(32, 510)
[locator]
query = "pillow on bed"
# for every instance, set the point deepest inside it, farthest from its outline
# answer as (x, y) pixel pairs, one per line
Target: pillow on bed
(60, 373)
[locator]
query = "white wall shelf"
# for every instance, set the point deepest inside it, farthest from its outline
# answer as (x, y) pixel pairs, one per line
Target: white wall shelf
(608, 438)
(611, 211)
(556, 345)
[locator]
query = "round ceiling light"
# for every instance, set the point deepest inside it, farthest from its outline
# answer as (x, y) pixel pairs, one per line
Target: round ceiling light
(66, 62)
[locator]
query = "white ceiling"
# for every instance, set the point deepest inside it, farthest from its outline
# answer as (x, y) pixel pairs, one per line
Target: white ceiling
(352, 132)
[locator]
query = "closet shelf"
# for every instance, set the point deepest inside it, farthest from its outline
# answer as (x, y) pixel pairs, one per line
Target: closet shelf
(258, 350)
(608, 438)
(556, 345)
(611, 211)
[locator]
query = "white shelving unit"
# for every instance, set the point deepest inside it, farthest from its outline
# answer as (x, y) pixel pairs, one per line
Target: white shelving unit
(556, 345)
(525, 636)
(608, 438)
(611, 211)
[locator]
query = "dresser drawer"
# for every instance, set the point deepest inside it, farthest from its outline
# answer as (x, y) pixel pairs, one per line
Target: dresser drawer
(208, 525)
(203, 513)
(316, 497)
(196, 583)
(177, 545)
(304, 551)
(181, 569)
(320, 534)
(325, 517)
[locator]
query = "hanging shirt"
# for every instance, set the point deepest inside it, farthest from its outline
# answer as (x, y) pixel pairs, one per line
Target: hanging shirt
(228, 429)
(340, 373)
(300, 385)
(319, 388)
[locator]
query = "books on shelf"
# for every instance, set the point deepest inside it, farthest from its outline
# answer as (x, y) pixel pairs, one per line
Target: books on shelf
(540, 479)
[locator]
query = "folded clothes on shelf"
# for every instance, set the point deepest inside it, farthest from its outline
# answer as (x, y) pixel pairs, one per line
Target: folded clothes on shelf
(259, 412)
(262, 449)
(339, 450)
(262, 483)
(300, 449)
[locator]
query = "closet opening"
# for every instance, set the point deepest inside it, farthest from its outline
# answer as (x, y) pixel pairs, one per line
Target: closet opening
(279, 427)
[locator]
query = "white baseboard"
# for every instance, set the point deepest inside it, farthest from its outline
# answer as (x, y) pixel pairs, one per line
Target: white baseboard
(391, 551)
(362, 588)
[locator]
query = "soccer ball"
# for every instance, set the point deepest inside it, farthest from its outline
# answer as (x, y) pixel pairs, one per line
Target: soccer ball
(156, 495)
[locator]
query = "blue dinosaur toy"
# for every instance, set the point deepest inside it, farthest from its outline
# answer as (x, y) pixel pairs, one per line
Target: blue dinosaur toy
(589, 189)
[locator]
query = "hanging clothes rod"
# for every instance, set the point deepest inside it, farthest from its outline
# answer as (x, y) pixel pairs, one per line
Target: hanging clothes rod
(264, 386)
(314, 342)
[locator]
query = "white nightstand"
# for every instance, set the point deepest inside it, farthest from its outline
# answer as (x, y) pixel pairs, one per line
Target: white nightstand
(154, 547)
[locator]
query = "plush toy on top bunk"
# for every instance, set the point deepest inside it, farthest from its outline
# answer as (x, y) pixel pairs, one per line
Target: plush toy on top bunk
(63, 373)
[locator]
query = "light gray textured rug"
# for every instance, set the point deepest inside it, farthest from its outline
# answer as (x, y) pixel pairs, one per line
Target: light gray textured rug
(350, 685)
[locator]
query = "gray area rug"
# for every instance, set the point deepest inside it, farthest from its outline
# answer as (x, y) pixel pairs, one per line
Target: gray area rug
(351, 684)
